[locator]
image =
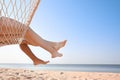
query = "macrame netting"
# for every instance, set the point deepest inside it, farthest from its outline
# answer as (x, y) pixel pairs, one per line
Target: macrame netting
(20, 11)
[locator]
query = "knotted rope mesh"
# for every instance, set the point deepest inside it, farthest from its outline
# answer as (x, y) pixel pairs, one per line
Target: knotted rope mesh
(15, 18)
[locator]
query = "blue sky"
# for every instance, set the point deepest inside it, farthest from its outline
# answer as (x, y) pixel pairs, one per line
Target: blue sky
(92, 28)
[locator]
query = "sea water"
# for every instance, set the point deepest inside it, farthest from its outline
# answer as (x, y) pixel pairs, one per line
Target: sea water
(68, 67)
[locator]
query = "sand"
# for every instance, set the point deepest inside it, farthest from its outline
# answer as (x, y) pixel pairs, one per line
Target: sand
(23, 74)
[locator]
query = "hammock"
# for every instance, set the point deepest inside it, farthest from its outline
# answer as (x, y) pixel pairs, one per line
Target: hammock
(20, 11)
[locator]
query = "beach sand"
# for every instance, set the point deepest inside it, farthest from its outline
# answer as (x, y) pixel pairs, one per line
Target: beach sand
(23, 74)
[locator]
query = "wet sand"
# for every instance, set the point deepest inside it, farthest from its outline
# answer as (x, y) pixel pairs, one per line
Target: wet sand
(23, 74)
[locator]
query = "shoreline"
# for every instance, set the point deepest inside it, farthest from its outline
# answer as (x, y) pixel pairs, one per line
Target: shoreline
(67, 67)
(27, 74)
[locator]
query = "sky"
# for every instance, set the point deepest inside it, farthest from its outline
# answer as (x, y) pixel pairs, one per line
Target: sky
(91, 28)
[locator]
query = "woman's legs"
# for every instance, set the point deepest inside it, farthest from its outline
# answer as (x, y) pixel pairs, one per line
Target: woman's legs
(24, 47)
(31, 38)
(35, 40)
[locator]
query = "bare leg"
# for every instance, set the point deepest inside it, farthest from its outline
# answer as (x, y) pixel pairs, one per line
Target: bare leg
(55, 45)
(34, 39)
(24, 47)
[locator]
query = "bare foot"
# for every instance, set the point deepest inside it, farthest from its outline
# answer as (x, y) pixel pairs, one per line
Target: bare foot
(37, 62)
(60, 45)
(56, 55)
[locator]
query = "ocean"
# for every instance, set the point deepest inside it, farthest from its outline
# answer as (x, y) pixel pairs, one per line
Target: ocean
(67, 67)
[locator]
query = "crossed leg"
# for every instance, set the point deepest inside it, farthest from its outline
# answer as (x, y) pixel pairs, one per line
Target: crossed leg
(32, 38)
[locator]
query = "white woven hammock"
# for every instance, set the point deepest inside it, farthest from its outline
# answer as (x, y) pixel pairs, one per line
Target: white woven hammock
(20, 11)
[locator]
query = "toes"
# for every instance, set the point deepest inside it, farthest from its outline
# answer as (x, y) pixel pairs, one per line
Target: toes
(64, 42)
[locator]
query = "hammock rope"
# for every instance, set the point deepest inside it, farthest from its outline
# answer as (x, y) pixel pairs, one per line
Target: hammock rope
(12, 14)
